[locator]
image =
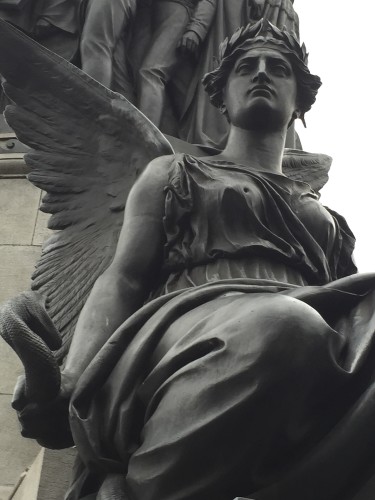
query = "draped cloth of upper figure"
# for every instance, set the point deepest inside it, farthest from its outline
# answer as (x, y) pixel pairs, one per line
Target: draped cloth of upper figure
(226, 348)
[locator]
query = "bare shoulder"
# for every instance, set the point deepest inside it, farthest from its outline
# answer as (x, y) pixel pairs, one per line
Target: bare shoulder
(155, 176)
(149, 188)
(157, 171)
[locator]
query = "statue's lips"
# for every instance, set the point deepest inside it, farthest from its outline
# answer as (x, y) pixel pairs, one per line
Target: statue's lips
(261, 90)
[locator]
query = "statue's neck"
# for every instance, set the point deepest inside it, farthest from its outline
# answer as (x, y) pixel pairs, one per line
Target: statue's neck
(259, 151)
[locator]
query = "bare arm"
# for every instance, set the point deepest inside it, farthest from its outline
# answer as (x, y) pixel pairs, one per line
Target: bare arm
(125, 285)
(119, 292)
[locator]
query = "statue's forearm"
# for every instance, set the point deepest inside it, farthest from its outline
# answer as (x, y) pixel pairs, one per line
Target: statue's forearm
(112, 300)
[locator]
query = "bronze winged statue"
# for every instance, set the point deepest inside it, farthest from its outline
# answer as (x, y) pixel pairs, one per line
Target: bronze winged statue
(224, 341)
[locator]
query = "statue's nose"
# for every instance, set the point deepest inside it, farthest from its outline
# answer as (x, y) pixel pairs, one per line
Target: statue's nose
(261, 77)
(261, 74)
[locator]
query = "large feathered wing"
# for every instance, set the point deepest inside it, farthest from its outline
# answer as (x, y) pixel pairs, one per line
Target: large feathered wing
(311, 168)
(88, 146)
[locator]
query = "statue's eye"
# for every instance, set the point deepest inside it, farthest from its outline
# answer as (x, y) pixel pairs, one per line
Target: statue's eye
(242, 69)
(280, 69)
(245, 68)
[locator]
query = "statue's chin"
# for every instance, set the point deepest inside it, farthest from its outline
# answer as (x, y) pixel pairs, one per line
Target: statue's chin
(264, 119)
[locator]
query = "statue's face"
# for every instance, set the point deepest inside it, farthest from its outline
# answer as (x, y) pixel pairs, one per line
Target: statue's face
(261, 91)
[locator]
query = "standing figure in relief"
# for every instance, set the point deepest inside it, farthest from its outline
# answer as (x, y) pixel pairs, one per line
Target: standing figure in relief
(200, 123)
(105, 23)
(179, 27)
(278, 12)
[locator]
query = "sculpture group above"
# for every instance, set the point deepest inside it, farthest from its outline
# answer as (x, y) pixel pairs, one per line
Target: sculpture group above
(154, 52)
(220, 341)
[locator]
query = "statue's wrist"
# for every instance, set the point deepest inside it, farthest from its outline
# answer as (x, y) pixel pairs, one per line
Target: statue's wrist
(69, 379)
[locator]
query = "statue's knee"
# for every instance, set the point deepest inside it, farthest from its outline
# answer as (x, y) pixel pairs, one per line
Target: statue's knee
(150, 73)
(93, 48)
(290, 325)
(279, 320)
(293, 312)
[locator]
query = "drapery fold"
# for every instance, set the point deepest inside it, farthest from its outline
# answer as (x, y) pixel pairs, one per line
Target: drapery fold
(153, 407)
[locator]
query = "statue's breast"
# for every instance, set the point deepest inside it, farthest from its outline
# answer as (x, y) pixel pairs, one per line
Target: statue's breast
(317, 220)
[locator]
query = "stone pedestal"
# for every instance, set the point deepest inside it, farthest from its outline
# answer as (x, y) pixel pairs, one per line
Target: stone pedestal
(23, 229)
(11, 152)
(48, 478)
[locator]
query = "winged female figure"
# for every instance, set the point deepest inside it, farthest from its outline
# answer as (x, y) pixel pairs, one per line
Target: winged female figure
(225, 348)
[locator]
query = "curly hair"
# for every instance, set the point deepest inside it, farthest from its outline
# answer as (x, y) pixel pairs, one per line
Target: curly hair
(263, 34)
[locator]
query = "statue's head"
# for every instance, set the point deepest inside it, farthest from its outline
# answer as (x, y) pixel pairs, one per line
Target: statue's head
(285, 72)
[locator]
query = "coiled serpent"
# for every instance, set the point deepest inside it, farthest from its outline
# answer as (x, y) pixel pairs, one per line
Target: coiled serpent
(27, 328)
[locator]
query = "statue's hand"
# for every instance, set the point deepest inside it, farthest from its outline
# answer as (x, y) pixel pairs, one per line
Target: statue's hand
(48, 422)
(189, 44)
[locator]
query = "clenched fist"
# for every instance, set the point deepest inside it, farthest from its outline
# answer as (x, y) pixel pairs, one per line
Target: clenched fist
(189, 44)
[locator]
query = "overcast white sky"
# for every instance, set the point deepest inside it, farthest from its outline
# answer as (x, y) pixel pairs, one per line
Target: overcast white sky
(339, 35)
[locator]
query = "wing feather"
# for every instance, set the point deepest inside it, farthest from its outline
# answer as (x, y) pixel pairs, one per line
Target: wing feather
(88, 146)
(311, 168)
